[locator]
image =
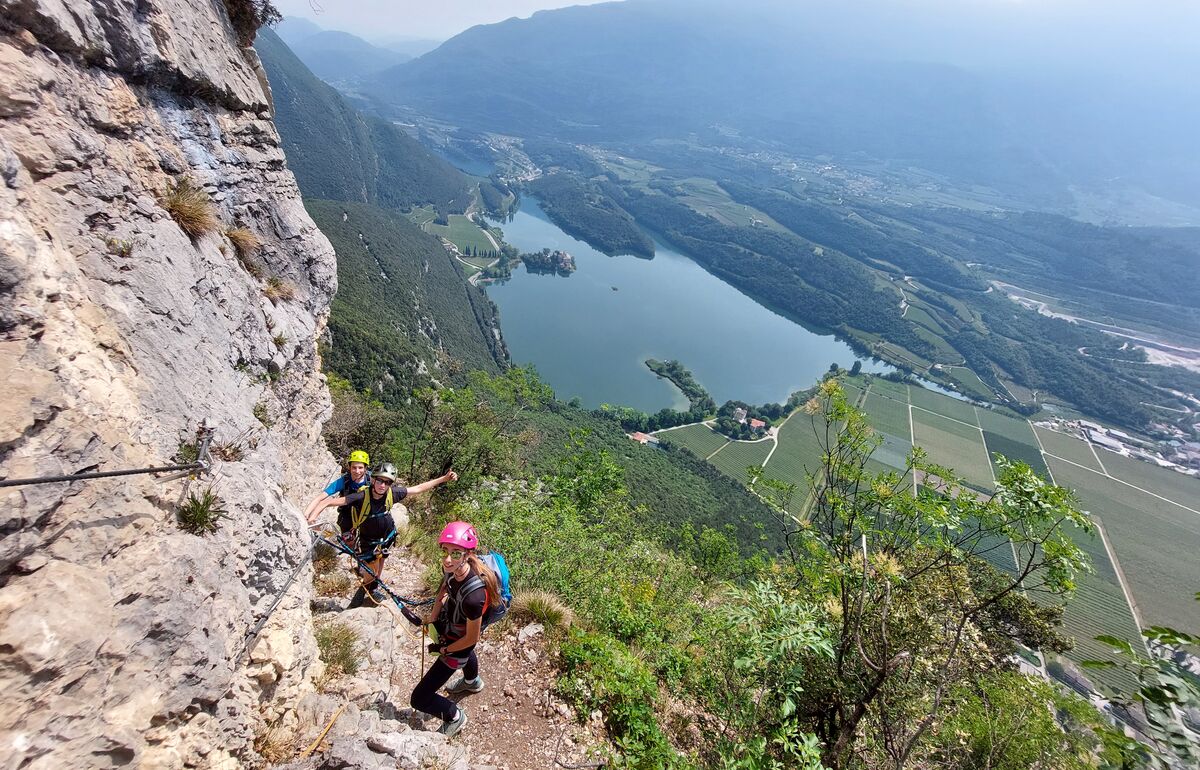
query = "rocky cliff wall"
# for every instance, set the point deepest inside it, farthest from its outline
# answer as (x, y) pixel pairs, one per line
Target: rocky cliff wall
(121, 636)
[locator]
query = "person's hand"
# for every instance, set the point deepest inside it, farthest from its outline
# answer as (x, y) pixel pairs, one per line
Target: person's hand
(451, 476)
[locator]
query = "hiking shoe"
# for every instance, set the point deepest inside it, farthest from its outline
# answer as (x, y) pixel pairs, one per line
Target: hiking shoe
(377, 596)
(451, 728)
(462, 684)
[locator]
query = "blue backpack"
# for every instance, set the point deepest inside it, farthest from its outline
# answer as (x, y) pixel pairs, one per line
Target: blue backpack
(499, 567)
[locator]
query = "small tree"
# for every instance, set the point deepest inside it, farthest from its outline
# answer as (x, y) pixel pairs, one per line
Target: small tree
(899, 578)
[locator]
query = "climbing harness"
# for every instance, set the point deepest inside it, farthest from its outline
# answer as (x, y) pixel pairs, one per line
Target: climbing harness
(360, 516)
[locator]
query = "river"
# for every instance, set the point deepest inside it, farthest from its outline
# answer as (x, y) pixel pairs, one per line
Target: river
(589, 334)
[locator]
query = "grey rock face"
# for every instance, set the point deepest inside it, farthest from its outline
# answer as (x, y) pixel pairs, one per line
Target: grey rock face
(123, 640)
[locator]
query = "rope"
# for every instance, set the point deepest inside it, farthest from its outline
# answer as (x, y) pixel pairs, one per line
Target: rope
(258, 627)
(401, 601)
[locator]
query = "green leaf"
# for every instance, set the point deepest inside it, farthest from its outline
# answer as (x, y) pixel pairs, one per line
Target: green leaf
(1113, 641)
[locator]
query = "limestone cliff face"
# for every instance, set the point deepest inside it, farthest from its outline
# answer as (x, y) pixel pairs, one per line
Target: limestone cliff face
(122, 637)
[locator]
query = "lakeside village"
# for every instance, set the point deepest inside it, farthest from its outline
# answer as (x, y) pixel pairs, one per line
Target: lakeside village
(1178, 455)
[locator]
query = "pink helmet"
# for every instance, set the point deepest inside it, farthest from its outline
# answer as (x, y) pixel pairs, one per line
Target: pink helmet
(460, 534)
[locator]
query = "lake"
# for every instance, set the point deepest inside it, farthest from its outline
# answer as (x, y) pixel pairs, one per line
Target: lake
(589, 334)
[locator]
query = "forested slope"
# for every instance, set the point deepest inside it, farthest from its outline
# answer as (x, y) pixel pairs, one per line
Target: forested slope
(403, 315)
(338, 153)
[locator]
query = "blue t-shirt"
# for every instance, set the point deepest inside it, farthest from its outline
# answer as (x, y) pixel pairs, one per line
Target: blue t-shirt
(343, 485)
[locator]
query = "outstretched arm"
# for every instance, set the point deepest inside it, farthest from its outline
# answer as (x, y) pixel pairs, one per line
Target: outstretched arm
(432, 483)
(318, 504)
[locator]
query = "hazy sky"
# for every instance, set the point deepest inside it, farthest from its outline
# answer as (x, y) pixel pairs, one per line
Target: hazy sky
(380, 19)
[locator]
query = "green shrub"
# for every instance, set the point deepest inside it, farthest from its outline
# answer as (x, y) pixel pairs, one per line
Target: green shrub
(201, 515)
(190, 207)
(248, 16)
(601, 673)
(260, 414)
(340, 648)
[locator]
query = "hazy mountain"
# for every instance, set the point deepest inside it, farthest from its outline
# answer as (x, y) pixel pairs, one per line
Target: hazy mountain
(333, 55)
(409, 46)
(338, 153)
(998, 93)
(294, 29)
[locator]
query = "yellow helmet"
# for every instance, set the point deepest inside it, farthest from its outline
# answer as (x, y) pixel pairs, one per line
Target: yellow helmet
(359, 456)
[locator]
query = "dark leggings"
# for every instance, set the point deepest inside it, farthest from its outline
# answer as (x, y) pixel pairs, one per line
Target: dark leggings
(425, 695)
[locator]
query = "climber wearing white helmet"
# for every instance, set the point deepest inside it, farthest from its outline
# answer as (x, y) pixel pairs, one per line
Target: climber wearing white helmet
(372, 523)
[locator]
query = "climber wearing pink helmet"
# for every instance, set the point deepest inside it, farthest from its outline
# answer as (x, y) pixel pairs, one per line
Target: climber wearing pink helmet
(468, 588)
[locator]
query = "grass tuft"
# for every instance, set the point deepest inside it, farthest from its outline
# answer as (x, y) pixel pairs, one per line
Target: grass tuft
(541, 607)
(275, 744)
(339, 647)
(228, 451)
(280, 341)
(244, 241)
(245, 245)
(201, 515)
(190, 207)
(278, 289)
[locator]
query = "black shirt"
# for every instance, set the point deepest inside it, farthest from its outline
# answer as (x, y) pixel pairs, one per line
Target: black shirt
(379, 523)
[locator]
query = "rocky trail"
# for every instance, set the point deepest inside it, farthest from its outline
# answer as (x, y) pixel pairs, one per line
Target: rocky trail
(515, 723)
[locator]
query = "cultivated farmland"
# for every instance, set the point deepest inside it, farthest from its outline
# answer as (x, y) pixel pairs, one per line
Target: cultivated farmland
(463, 233)
(737, 456)
(1067, 447)
(700, 439)
(954, 445)
(1155, 542)
(943, 405)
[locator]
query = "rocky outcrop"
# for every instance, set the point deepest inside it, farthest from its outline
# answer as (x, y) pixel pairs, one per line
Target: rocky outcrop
(123, 640)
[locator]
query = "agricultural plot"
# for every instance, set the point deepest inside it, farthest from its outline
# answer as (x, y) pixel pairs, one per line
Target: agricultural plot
(1098, 607)
(799, 453)
(422, 216)
(737, 456)
(888, 415)
(998, 443)
(463, 233)
(954, 445)
(919, 315)
(1067, 447)
(943, 405)
(895, 390)
(700, 439)
(1162, 481)
(1155, 541)
(1014, 429)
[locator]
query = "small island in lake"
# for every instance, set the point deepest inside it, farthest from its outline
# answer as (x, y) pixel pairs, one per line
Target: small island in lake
(547, 261)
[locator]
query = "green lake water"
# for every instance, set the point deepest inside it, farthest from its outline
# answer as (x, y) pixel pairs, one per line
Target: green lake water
(589, 334)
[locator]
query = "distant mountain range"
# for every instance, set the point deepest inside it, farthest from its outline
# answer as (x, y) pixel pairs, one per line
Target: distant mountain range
(336, 56)
(998, 96)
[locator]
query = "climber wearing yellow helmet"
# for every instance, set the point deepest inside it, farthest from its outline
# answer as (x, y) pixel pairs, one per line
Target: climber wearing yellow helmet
(354, 479)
